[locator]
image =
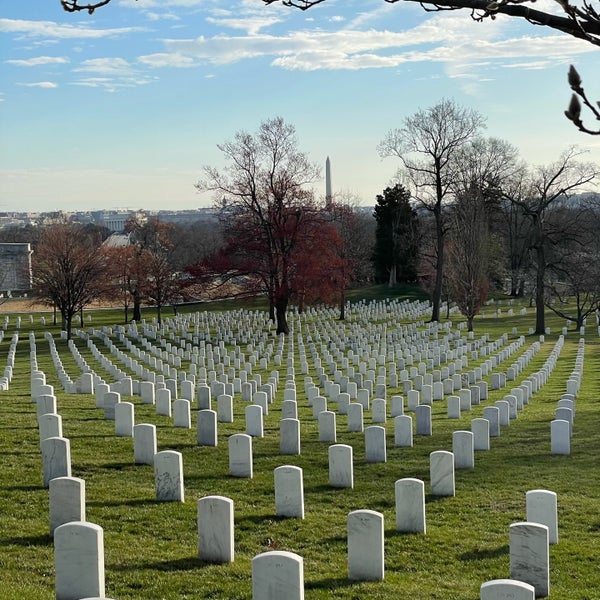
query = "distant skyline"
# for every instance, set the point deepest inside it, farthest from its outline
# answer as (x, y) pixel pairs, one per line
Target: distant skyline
(123, 108)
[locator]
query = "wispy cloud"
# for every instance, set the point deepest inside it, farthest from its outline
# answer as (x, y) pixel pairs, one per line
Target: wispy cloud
(51, 29)
(110, 84)
(165, 59)
(438, 40)
(48, 85)
(251, 25)
(105, 66)
(38, 60)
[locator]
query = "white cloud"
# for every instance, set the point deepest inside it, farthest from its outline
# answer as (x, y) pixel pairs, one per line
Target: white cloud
(165, 59)
(38, 60)
(110, 84)
(105, 66)
(442, 39)
(251, 25)
(48, 85)
(51, 29)
(153, 16)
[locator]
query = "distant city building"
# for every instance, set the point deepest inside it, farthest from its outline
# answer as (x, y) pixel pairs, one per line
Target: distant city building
(15, 267)
(115, 220)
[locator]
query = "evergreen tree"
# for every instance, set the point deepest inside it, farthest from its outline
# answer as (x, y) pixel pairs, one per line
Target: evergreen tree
(395, 253)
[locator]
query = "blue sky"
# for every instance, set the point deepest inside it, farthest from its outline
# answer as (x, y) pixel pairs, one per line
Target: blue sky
(123, 108)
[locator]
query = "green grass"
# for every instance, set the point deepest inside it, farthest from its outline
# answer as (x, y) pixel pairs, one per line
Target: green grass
(151, 547)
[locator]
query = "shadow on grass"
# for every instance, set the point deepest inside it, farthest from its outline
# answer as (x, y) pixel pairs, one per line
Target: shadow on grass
(330, 583)
(32, 540)
(168, 566)
(26, 488)
(484, 553)
(139, 502)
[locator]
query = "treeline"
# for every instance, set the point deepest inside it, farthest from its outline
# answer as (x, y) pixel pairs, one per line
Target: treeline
(464, 216)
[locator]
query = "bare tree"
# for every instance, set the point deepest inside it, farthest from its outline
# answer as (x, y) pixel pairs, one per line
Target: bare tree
(264, 193)
(69, 270)
(427, 145)
(161, 286)
(573, 287)
(551, 185)
(467, 269)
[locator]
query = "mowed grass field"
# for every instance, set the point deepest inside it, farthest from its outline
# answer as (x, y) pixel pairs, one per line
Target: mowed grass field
(151, 547)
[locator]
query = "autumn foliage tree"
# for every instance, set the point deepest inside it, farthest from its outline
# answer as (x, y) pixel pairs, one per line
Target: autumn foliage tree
(267, 209)
(69, 270)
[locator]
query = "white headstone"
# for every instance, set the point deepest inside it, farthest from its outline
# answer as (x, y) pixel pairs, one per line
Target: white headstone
(441, 470)
(240, 455)
(78, 561)
(289, 492)
(144, 443)
(410, 505)
(215, 529)
(66, 500)
(277, 575)
(341, 468)
(365, 546)
(529, 556)
(168, 476)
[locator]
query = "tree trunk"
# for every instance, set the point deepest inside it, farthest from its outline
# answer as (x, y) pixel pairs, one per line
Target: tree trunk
(159, 314)
(393, 279)
(470, 323)
(343, 305)
(126, 307)
(271, 309)
(540, 323)
(280, 310)
(137, 307)
(54, 316)
(439, 268)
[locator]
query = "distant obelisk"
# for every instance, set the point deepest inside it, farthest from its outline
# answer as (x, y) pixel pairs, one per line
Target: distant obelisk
(328, 194)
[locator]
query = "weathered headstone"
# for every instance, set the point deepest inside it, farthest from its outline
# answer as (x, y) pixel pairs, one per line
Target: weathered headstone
(529, 556)
(441, 471)
(168, 476)
(56, 459)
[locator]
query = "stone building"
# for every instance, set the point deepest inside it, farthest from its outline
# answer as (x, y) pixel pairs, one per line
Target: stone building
(15, 267)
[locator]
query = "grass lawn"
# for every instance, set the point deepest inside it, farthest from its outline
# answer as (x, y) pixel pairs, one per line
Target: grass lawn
(151, 547)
